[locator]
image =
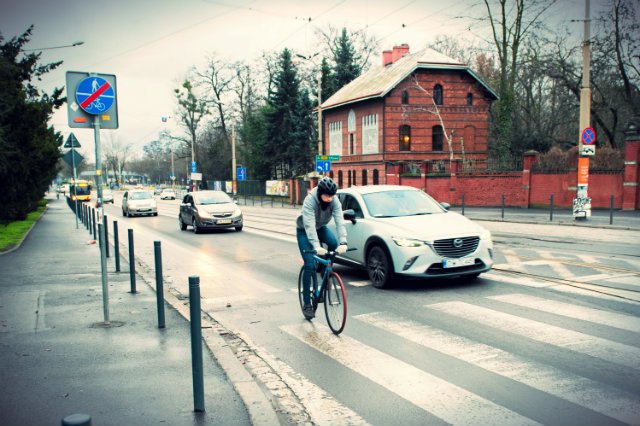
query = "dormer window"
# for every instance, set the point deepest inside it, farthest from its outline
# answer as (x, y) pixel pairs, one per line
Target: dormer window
(469, 99)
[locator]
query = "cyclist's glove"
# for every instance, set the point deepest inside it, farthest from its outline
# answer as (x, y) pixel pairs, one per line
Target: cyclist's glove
(320, 251)
(342, 248)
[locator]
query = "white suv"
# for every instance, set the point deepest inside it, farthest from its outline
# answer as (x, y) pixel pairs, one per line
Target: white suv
(139, 202)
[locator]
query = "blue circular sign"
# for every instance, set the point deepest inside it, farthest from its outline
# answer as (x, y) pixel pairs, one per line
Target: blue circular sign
(588, 136)
(95, 95)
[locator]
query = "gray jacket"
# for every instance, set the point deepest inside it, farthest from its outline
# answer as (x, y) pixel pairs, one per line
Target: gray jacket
(313, 218)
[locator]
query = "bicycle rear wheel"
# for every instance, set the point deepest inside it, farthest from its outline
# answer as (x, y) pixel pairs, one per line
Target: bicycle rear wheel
(335, 303)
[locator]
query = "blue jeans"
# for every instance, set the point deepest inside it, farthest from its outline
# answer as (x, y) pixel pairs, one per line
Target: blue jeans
(325, 236)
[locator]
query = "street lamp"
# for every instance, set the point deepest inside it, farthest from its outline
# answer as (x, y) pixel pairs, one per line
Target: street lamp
(74, 44)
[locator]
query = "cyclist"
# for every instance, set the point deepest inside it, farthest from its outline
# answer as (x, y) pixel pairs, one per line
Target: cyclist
(319, 206)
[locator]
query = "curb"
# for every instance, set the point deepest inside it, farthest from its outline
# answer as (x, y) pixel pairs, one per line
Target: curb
(26, 234)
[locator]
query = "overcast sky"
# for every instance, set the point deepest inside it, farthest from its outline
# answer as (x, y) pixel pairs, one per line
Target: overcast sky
(150, 44)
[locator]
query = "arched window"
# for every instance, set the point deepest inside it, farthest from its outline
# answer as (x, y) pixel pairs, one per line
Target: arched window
(437, 94)
(436, 138)
(331, 174)
(355, 181)
(348, 178)
(405, 97)
(340, 178)
(469, 99)
(405, 138)
(364, 177)
(375, 177)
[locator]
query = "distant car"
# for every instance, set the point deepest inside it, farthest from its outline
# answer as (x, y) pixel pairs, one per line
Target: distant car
(209, 210)
(168, 194)
(107, 196)
(138, 202)
(401, 231)
(157, 190)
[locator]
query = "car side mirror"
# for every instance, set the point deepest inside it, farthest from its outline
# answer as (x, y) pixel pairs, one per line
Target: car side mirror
(446, 206)
(349, 214)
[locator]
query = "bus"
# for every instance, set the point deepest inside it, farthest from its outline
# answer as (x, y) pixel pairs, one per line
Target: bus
(79, 190)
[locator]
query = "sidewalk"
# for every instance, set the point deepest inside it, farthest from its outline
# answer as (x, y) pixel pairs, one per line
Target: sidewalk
(58, 357)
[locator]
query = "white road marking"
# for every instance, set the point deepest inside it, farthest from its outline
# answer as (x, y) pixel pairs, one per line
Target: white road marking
(359, 283)
(604, 349)
(576, 389)
(517, 280)
(437, 396)
(598, 316)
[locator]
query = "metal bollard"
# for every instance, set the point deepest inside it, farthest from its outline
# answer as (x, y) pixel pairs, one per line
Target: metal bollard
(95, 234)
(157, 249)
(116, 245)
(462, 204)
(503, 206)
(611, 211)
(132, 263)
(78, 419)
(551, 208)
(196, 343)
(106, 234)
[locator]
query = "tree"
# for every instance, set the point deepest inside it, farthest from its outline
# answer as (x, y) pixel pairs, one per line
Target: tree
(29, 148)
(116, 155)
(191, 111)
(509, 30)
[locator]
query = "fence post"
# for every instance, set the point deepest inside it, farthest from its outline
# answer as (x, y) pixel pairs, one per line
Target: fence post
(157, 249)
(611, 211)
(462, 204)
(196, 343)
(503, 206)
(551, 208)
(116, 244)
(132, 263)
(106, 234)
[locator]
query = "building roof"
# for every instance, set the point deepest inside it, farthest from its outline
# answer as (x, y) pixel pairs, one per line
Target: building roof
(379, 81)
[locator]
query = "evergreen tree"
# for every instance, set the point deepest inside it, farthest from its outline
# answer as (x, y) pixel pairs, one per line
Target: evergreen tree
(345, 69)
(29, 147)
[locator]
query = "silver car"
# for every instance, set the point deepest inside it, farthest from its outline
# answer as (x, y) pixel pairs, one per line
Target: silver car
(139, 202)
(209, 210)
(401, 231)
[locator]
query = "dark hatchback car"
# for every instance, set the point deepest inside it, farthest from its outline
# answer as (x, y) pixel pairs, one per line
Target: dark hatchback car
(209, 210)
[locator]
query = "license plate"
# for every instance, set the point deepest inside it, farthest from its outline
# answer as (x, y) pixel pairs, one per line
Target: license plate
(456, 263)
(224, 222)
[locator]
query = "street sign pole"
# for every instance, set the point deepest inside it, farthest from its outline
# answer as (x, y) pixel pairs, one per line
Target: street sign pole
(102, 241)
(75, 179)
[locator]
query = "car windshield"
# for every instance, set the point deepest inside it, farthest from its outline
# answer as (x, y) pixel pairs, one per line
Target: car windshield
(213, 198)
(400, 203)
(140, 196)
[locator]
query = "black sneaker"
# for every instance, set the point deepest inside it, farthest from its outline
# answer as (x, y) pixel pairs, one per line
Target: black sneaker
(308, 312)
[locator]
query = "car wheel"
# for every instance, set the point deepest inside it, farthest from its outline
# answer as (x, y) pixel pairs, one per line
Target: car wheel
(124, 213)
(194, 225)
(183, 226)
(239, 228)
(379, 267)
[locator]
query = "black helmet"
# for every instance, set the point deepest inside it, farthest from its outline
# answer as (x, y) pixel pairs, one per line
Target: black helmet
(327, 186)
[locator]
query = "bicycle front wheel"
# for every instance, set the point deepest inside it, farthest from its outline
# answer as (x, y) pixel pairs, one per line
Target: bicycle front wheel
(335, 303)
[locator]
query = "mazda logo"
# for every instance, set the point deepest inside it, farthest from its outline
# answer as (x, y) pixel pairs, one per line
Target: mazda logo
(457, 243)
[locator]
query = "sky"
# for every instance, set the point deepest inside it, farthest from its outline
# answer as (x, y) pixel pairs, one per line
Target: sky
(149, 45)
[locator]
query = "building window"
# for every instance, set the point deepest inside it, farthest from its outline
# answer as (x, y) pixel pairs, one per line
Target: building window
(437, 94)
(436, 138)
(348, 178)
(364, 177)
(352, 146)
(405, 138)
(340, 178)
(376, 177)
(469, 99)
(331, 174)
(354, 177)
(405, 97)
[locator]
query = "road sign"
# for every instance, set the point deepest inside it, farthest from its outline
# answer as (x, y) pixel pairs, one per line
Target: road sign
(193, 167)
(327, 158)
(196, 176)
(95, 95)
(242, 173)
(588, 136)
(72, 157)
(79, 117)
(72, 142)
(323, 166)
(587, 150)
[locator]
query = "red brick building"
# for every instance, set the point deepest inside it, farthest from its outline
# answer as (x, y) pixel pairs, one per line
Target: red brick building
(408, 117)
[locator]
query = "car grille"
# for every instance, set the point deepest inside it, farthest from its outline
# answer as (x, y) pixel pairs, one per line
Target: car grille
(221, 215)
(456, 247)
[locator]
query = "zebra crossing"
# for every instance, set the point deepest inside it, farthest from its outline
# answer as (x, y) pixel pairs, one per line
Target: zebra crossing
(455, 404)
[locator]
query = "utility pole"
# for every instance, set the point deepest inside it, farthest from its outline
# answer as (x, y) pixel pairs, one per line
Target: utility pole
(582, 202)
(320, 112)
(234, 171)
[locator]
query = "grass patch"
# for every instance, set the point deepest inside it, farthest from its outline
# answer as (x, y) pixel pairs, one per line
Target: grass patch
(12, 233)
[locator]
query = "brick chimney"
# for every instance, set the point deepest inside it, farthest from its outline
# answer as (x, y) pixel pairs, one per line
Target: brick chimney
(391, 56)
(386, 58)
(399, 52)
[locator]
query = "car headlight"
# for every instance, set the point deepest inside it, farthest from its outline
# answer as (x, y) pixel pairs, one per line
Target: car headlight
(485, 235)
(407, 242)
(203, 214)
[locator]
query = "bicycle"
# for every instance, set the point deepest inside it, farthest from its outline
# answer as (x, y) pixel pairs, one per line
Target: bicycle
(331, 292)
